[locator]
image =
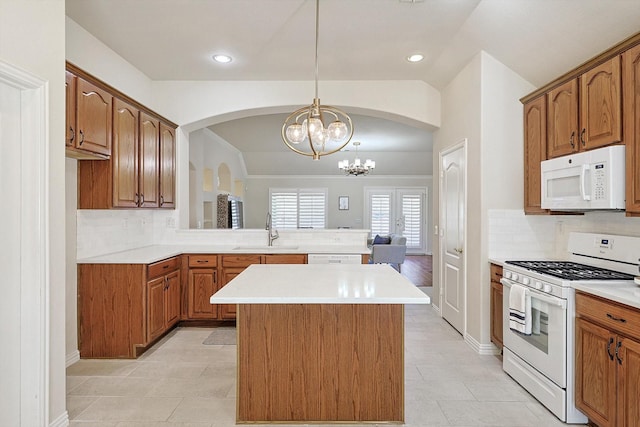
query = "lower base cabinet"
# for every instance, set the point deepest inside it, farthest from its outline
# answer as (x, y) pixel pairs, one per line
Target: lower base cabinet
(607, 362)
(123, 308)
(202, 283)
(496, 305)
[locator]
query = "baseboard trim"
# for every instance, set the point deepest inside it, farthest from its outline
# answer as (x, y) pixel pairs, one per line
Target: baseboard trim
(61, 421)
(482, 349)
(72, 358)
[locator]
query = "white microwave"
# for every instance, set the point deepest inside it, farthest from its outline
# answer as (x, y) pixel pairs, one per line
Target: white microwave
(588, 180)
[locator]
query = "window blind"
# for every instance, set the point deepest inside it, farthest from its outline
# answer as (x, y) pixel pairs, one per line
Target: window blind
(412, 213)
(380, 214)
(298, 208)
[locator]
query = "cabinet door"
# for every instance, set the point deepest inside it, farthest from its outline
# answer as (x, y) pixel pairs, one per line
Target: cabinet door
(629, 383)
(600, 106)
(202, 284)
(562, 120)
(228, 311)
(155, 308)
(496, 314)
(631, 85)
(172, 298)
(535, 151)
(93, 112)
(595, 373)
(125, 155)
(149, 157)
(70, 116)
(167, 166)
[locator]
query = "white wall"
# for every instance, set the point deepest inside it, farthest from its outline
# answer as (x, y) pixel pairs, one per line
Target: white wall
(32, 38)
(481, 104)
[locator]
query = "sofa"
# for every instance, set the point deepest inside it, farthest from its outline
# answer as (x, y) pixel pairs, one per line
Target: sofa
(390, 249)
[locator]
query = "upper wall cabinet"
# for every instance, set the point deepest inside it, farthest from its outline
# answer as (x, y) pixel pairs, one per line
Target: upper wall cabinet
(587, 119)
(535, 151)
(140, 171)
(631, 79)
(88, 119)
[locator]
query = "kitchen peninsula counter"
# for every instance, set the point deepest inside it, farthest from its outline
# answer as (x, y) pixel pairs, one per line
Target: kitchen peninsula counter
(320, 343)
(154, 253)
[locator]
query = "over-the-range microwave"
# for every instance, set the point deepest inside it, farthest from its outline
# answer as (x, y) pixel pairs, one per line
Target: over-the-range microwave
(588, 180)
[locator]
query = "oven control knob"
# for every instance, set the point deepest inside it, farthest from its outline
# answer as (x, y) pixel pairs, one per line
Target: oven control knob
(546, 287)
(507, 274)
(538, 285)
(525, 280)
(514, 276)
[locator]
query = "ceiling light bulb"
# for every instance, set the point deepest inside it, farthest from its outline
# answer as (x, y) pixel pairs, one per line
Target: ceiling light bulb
(338, 131)
(295, 134)
(223, 59)
(416, 57)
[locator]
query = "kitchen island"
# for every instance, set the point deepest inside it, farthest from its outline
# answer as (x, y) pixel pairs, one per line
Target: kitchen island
(320, 343)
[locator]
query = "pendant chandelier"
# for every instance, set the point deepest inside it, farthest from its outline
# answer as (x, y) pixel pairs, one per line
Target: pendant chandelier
(317, 130)
(356, 168)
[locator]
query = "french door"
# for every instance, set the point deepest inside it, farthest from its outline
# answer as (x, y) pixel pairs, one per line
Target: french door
(399, 211)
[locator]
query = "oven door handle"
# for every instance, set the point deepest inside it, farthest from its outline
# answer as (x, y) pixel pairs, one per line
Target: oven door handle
(558, 302)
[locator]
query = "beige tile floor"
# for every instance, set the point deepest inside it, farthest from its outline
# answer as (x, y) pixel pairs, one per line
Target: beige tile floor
(181, 382)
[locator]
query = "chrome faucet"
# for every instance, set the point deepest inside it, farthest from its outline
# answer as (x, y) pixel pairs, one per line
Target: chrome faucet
(271, 236)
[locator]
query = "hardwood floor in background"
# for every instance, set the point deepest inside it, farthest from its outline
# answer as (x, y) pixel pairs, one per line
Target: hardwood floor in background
(418, 269)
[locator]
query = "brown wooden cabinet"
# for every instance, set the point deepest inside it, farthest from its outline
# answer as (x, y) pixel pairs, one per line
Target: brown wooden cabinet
(125, 166)
(88, 119)
(607, 361)
(535, 151)
(562, 119)
(203, 282)
(148, 177)
(124, 308)
(586, 112)
(231, 266)
(631, 87)
(496, 305)
(167, 166)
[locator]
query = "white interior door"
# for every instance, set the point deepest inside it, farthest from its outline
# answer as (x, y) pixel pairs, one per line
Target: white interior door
(400, 211)
(452, 235)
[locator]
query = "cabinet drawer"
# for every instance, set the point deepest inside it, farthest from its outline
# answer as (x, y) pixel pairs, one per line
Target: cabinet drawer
(240, 260)
(162, 267)
(610, 314)
(496, 273)
(203, 260)
(285, 259)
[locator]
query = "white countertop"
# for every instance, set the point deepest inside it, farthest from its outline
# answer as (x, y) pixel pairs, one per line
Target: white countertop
(153, 253)
(628, 293)
(320, 284)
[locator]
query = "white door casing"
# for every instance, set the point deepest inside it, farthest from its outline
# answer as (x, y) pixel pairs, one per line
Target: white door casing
(453, 235)
(24, 253)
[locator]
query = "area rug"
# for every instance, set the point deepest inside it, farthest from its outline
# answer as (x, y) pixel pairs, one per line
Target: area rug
(224, 335)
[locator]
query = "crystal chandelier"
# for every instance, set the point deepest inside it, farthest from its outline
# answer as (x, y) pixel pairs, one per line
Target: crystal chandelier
(317, 130)
(356, 168)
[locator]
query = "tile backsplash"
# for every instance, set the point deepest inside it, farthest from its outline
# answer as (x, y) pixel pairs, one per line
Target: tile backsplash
(512, 234)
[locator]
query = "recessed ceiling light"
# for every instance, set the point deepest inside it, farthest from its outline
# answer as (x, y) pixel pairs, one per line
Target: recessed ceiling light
(416, 57)
(223, 59)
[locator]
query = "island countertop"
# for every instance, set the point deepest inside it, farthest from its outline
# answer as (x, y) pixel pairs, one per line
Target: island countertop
(320, 284)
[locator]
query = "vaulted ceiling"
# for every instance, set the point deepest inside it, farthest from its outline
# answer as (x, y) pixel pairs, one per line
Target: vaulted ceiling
(359, 40)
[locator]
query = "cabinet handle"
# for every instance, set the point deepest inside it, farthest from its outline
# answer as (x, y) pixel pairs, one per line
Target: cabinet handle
(215, 276)
(582, 137)
(161, 200)
(73, 134)
(609, 349)
(136, 200)
(617, 352)
(617, 319)
(81, 137)
(573, 133)
(141, 200)
(202, 261)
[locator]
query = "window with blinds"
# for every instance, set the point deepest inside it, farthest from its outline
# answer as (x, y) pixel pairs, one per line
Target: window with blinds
(380, 214)
(412, 213)
(298, 208)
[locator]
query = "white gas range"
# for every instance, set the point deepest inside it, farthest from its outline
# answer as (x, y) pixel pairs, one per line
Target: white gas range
(542, 361)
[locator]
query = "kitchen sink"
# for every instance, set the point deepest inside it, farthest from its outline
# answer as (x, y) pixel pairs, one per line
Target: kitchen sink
(264, 248)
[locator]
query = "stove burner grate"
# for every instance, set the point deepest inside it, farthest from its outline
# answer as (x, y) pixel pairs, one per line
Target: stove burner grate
(571, 270)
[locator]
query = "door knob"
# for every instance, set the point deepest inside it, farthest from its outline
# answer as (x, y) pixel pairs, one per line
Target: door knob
(459, 251)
